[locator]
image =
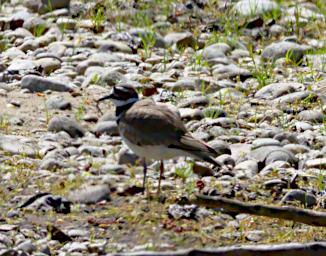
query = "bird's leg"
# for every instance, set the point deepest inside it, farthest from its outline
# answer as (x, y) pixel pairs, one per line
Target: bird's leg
(145, 174)
(161, 175)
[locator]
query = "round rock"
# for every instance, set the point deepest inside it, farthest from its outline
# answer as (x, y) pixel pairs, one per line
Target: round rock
(63, 123)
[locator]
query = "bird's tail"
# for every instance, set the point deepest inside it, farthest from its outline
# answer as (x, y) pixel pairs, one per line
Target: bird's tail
(207, 158)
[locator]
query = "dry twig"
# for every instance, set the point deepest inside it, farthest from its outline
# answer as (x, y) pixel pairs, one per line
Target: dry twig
(290, 249)
(296, 214)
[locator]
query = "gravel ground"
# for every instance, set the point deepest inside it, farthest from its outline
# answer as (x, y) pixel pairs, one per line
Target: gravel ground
(248, 77)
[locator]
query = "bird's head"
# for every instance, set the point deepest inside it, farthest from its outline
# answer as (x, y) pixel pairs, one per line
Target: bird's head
(121, 95)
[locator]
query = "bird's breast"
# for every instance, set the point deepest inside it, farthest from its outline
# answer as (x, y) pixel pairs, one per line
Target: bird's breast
(154, 152)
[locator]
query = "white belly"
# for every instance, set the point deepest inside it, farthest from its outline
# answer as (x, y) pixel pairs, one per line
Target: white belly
(155, 152)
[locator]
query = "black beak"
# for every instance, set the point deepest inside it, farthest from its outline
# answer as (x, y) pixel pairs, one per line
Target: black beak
(107, 97)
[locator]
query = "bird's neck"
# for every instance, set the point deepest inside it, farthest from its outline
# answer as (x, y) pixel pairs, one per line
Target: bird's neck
(122, 108)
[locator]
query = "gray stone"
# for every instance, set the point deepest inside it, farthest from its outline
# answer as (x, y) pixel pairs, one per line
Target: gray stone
(262, 142)
(57, 48)
(225, 122)
(35, 25)
(19, 145)
(58, 102)
(217, 50)
(275, 183)
(113, 46)
(45, 202)
(191, 114)
(239, 53)
(5, 240)
(255, 235)
(104, 76)
(231, 71)
(18, 18)
(276, 30)
(268, 154)
(305, 198)
(281, 155)
(19, 65)
(52, 164)
(176, 211)
(319, 163)
(48, 64)
(202, 170)
(90, 117)
(26, 246)
(66, 23)
(112, 168)
(13, 53)
(84, 65)
(78, 233)
(63, 123)
(8, 227)
(92, 150)
(126, 156)
(43, 6)
(286, 138)
(181, 39)
(146, 34)
(98, 246)
(75, 247)
(306, 14)
(11, 252)
(228, 94)
(106, 127)
(279, 166)
(217, 131)
(320, 89)
(220, 146)
(294, 51)
(39, 84)
(276, 90)
(312, 116)
(183, 84)
(226, 159)
(302, 126)
(108, 116)
(19, 33)
(194, 102)
(297, 149)
(246, 169)
(29, 45)
(294, 97)
(250, 8)
(201, 135)
(318, 61)
(90, 194)
(104, 57)
(16, 121)
(44, 251)
(214, 112)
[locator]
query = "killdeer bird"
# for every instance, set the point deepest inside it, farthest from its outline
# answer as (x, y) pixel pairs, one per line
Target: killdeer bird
(154, 131)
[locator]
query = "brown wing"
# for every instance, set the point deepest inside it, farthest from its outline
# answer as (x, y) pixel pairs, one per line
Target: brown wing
(146, 123)
(197, 148)
(189, 143)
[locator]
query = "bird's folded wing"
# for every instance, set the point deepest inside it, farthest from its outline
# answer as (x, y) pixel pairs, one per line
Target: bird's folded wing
(189, 143)
(148, 124)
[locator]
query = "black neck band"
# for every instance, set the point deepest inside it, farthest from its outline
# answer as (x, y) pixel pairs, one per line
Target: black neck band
(121, 109)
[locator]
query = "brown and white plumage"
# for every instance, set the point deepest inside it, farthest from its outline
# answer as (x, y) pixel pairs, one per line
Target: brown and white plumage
(156, 125)
(155, 131)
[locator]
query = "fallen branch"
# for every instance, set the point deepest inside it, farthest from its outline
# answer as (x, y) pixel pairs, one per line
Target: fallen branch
(296, 214)
(290, 249)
